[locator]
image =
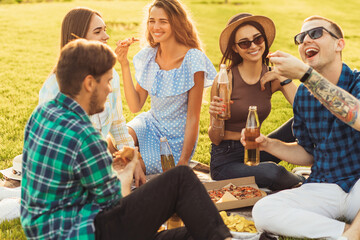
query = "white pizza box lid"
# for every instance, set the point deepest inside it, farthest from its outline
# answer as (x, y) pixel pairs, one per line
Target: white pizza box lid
(239, 182)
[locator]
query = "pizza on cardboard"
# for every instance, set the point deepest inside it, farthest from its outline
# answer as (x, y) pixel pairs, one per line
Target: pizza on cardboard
(234, 193)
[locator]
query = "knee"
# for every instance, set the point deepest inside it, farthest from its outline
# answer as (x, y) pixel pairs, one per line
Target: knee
(274, 173)
(257, 212)
(182, 174)
(263, 213)
(183, 170)
(133, 135)
(215, 174)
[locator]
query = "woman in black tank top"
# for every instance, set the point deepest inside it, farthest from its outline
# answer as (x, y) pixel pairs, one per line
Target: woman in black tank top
(245, 43)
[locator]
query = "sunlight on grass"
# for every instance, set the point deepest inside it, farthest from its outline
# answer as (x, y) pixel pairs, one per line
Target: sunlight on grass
(29, 46)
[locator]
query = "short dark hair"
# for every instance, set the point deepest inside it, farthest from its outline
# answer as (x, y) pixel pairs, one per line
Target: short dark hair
(335, 27)
(81, 58)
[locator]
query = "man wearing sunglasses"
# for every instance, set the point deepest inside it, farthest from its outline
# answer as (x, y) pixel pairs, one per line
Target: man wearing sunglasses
(327, 128)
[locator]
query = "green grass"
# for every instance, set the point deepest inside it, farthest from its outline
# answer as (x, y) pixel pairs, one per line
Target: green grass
(29, 47)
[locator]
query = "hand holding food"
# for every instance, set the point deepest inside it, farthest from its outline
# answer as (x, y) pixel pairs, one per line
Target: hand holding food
(288, 65)
(126, 174)
(122, 49)
(123, 157)
(127, 42)
(126, 154)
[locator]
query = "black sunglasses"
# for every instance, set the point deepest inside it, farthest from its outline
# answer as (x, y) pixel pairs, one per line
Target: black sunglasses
(314, 33)
(246, 44)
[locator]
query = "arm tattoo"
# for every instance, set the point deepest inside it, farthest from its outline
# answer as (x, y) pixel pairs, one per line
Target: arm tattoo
(338, 101)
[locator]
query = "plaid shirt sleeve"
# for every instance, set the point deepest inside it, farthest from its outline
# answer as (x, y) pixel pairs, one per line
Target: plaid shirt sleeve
(95, 172)
(118, 127)
(300, 130)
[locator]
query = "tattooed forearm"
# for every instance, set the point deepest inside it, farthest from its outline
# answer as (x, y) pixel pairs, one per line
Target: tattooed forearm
(341, 103)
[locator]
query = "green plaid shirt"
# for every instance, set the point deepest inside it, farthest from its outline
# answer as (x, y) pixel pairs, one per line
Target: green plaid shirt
(67, 174)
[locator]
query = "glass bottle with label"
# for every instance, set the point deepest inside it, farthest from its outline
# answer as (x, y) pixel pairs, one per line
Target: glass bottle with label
(167, 162)
(223, 91)
(252, 131)
(167, 159)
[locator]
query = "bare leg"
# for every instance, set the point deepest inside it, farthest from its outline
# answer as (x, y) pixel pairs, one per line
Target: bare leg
(352, 232)
(136, 143)
(133, 135)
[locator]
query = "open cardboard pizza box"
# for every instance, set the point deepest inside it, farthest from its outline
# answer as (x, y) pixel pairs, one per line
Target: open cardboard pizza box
(239, 182)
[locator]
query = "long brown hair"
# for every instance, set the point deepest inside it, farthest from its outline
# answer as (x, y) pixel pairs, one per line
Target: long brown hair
(76, 22)
(181, 24)
(232, 58)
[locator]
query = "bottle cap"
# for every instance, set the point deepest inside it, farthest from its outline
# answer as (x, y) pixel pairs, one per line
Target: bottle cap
(163, 139)
(223, 66)
(252, 108)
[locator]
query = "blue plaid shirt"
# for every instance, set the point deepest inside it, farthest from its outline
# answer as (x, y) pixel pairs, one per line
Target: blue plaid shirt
(334, 145)
(67, 174)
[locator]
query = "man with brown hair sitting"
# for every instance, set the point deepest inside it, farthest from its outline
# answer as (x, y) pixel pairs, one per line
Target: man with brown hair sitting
(69, 189)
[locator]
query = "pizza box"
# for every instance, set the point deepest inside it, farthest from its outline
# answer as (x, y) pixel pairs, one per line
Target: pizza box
(239, 182)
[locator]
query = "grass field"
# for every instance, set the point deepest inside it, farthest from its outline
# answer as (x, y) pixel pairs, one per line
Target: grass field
(29, 47)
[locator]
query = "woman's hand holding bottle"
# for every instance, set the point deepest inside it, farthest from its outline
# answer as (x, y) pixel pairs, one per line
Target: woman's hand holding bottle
(216, 106)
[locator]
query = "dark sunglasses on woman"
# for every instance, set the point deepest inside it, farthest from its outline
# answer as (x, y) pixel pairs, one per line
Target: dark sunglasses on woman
(313, 33)
(246, 44)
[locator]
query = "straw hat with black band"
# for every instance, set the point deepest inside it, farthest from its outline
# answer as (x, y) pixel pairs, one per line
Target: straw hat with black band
(235, 21)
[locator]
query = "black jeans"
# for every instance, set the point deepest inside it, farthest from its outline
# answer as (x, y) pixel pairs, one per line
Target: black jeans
(140, 214)
(227, 161)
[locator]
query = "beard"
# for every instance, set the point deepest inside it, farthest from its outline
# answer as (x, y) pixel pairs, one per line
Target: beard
(94, 105)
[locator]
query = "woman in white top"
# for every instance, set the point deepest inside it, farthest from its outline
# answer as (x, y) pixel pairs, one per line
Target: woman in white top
(86, 23)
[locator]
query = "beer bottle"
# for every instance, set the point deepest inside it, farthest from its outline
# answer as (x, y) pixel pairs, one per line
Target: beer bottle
(167, 162)
(252, 131)
(223, 91)
(167, 159)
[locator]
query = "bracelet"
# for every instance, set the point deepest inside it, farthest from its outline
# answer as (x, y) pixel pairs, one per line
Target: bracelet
(217, 126)
(306, 75)
(287, 81)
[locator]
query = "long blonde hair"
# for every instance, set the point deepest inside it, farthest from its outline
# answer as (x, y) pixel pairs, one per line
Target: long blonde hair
(181, 24)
